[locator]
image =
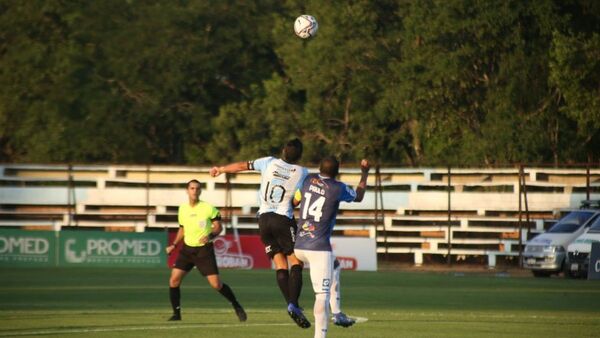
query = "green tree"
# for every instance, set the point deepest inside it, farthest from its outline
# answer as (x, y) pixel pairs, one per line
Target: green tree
(135, 81)
(405, 82)
(575, 71)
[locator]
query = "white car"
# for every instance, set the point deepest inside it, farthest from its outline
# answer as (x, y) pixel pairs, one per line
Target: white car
(546, 254)
(579, 251)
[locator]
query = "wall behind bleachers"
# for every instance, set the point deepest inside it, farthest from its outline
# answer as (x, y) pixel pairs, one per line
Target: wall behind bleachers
(142, 198)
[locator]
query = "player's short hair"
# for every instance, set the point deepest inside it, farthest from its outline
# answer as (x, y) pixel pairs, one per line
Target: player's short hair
(193, 181)
(330, 166)
(292, 151)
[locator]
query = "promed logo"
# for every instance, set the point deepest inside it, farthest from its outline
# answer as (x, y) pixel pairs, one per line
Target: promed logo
(23, 248)
(24, 245)
(112, 250)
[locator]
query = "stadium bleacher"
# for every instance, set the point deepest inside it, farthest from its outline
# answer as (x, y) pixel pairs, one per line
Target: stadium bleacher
(484, 220)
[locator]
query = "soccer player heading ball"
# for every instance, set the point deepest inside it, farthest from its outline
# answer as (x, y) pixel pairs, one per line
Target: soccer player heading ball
(280, 178)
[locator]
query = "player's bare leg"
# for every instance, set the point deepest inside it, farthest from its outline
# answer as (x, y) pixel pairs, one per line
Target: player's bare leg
(214, 281)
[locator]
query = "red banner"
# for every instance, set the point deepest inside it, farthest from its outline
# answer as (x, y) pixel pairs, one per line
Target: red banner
(347, 263)
(248, 253)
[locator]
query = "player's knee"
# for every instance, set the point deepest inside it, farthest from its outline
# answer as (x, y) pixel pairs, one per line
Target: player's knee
(323, 296)
(281, 266)
(215, 283)
(280, 261)
(321, 301)
(174, 281)
(294, 260)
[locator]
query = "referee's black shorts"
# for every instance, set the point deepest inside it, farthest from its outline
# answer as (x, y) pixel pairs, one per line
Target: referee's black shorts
(278, 233)
(202, 257)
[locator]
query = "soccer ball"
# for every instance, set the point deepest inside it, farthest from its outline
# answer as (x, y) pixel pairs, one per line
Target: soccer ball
(306, 26)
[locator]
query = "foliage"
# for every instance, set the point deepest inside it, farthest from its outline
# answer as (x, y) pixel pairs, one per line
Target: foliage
(402, 82)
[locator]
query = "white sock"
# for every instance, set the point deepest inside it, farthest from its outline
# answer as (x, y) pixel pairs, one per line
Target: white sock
(335, 299)
(321, 312)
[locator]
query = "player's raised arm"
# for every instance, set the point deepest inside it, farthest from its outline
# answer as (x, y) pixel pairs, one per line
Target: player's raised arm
(362, 185)
(230, 168)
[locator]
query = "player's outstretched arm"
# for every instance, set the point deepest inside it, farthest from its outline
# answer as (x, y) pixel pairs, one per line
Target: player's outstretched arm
(362, 185)
(230, 168)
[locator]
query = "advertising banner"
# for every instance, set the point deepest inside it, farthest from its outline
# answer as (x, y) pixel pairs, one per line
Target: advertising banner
(248, 253)
(27, 248)
(594, 266)
(355, 253)
(112, 249)
(127, 249)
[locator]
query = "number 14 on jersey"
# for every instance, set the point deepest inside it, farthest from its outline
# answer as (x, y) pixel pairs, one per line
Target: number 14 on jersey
(315, 209)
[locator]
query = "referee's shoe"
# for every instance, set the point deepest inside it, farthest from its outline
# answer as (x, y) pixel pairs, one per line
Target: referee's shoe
(240, 313)
(176, 315)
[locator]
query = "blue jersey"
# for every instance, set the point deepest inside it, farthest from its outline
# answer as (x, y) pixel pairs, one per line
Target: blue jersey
(320, 200)
(279, 181)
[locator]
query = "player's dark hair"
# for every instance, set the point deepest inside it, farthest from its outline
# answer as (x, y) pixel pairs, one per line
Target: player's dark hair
(193, 181)
(292, 151)
(329, 166)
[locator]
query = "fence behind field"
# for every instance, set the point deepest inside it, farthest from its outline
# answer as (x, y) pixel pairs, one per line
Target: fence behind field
(405, 209)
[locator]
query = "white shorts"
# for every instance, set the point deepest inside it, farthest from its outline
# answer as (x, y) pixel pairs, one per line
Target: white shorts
(321, 268)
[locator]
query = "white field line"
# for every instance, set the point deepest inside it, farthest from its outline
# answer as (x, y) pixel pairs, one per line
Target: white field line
(360, 319)
(133, 328)
(163, 312)
(102, 287)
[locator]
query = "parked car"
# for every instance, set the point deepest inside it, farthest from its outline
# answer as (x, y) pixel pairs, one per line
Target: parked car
(579, 251)
(546, 254)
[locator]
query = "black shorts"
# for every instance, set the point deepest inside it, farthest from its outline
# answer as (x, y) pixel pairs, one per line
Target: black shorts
(278, 233)
(202, 257)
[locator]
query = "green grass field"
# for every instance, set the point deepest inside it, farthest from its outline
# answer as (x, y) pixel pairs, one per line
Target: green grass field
(134, 303)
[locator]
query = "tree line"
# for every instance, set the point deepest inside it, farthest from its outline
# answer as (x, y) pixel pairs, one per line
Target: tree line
(403, 82)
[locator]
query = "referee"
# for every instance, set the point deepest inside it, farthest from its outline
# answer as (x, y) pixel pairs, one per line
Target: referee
(199, 224)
